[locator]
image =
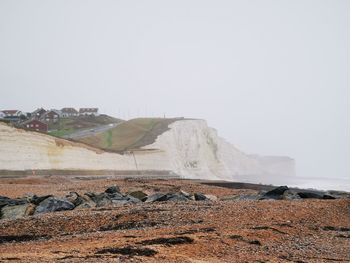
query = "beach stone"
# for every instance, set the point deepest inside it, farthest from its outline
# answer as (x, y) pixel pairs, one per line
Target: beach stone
(276, 194)
(17, 211)
(290, 195)
(139, 195)
(74, 198)
(53, 204)
(211, 197)
(200, 197)
(158, 197)
(112, 189)
(176, 197)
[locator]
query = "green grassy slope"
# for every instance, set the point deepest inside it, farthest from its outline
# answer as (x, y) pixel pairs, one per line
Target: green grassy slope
(66, 126)
(129, 135)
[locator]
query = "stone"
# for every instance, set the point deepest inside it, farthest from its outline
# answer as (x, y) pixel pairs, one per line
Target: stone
(184, 193)
(4, 201)
(139, 195)
(34, 199)
(176, 197)
(290, 195)
(17, 211)
(158, 197)
(53, 204)
(74, 198)
(200, 197)
(211, 197)
(307, 195)
(276, 194)
(112, 189)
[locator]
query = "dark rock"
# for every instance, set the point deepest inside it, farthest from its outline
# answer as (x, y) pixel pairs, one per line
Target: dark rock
(129, 251)
(200, 197)
(4, 201)
(132, 199)
(112, 189)
(17, 211)
(176, 197)
(290, 195)
(53, 204)
(34, 199)
(276, 194)
(158, 197)
(75, 198)
(139, 195)
(168, 241)
(307, 195)
(102, 199)
(329, 197)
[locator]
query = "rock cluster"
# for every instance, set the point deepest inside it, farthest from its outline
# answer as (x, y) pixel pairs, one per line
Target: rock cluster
(112, 196)
(285, 193)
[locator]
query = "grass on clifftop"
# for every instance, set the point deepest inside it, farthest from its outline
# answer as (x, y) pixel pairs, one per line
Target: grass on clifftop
(129, 135)
(66, 126)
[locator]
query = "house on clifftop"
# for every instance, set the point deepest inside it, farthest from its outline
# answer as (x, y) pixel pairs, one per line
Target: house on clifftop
(69, 112)
(88, 112)
(35, 125)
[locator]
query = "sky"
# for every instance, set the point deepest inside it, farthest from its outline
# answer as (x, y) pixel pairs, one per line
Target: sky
(273, 77)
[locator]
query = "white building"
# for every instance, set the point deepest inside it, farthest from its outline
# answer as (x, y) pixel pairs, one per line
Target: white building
(88, 112)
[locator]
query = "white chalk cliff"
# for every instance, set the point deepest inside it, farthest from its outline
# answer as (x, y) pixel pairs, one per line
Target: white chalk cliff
(189, 148)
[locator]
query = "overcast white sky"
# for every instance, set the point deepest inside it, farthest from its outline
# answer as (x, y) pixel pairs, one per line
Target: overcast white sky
(273, 77)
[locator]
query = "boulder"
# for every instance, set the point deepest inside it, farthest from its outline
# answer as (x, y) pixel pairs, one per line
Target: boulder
(290, 195)
(158, 197)
(307, 195)
(75, 198)
(112, 189)
(276, 194)
(17, 211)
(139, 195)
(177, 197)
(211, 197)
(34, 199)
(4, 201)
(53, 204)
(200, 197)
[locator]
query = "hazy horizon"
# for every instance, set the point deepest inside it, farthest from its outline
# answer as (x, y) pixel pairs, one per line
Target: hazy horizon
(272, 77)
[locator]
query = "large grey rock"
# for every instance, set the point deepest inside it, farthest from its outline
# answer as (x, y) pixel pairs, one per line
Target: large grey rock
(34, 199)
(200, 197)
(100, 199)
(276, 194)
(17, 211)
(53, 204)
(158, 197)
(75, 198)
(291, 195)
(112, 189)
(211, 197)
(4, 201)
(177, 197)
(139, 195)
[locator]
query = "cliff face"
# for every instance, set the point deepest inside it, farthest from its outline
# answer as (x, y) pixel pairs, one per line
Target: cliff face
(189, 148)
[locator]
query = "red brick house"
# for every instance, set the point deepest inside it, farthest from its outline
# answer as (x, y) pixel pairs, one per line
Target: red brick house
(35, 125)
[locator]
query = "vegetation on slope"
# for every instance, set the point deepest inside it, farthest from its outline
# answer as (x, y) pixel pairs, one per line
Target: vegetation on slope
(129, 135)
(66, 126)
